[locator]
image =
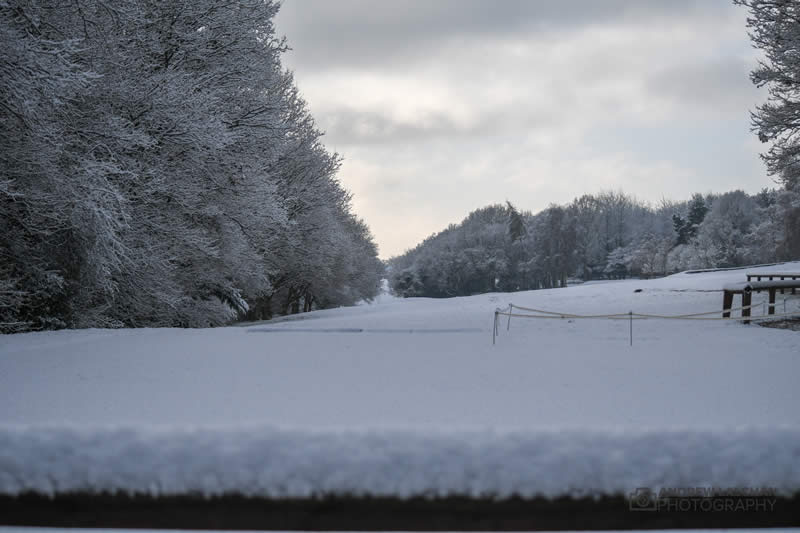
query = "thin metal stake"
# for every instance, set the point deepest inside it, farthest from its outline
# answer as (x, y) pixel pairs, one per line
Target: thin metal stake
(630, 315)
(494, 329)
(510, 307)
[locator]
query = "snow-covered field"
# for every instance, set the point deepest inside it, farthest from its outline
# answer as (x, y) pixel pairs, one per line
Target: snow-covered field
(410, 397)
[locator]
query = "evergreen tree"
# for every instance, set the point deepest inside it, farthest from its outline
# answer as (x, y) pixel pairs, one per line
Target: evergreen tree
(516, 224)
(697, 211)
(681, 228)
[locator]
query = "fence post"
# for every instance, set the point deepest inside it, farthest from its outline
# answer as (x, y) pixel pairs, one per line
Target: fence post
(727, 303)
(510, 310)
(630, 317)
(746, 305)
(494, 328)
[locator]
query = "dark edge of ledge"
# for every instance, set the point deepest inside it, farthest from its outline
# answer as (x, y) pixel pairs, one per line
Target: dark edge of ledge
(340, 513)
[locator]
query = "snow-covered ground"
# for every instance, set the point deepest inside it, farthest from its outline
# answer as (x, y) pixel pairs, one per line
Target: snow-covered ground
(410, 396)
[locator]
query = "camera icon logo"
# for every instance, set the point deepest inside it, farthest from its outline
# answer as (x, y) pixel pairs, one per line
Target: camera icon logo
(643, 499)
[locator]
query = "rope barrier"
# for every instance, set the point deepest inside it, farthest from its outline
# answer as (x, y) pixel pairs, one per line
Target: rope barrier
(641, 316)
(621, 316)
(742, 308)
(570, 315)
(755, 317)
(631, 316)
(565, 315)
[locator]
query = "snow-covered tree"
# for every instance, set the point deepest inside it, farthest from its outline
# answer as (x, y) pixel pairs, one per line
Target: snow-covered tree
(609, 235)
(774, 27)
(160, 168)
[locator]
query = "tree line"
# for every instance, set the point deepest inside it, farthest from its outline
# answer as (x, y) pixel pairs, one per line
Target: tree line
(160, 168)
(604, 236)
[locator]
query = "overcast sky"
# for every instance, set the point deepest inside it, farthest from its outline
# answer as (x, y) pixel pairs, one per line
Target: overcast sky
(443, 106)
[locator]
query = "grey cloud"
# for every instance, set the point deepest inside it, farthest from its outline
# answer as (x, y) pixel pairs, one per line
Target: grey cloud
(347, 126)
(350, 126)
(328, 34)
(721, 81)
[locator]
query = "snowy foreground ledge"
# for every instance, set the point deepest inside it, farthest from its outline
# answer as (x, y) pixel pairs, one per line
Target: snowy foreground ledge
(280, 464)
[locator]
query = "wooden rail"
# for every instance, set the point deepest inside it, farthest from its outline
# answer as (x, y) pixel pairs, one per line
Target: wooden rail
(746, 290)
(779, 276)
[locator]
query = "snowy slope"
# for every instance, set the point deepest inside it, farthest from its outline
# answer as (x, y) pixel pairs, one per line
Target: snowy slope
(410, 396)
